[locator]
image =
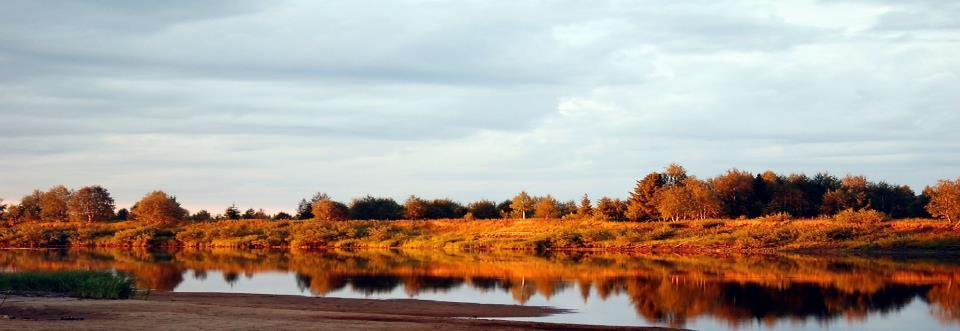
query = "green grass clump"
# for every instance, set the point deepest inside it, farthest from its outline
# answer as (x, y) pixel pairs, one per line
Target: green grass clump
(81, 284)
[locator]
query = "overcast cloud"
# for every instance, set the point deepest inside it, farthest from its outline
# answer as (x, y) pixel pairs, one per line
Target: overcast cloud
(262, 103)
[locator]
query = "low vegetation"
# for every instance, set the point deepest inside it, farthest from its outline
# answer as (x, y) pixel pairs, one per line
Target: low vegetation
(81, 284)
(849, 230)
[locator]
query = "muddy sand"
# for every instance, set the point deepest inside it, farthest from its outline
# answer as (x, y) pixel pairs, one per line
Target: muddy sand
(222, 311)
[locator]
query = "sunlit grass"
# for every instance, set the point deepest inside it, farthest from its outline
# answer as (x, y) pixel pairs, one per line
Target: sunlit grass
(853, 232)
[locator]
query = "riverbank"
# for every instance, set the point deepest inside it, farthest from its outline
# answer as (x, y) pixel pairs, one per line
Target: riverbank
(764, 234)
(221, 311)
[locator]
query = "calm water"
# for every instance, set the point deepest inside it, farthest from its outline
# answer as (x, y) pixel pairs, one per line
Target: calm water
(781, 292)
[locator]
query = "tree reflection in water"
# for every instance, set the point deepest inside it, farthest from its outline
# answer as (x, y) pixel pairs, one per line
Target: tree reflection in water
(669, 289)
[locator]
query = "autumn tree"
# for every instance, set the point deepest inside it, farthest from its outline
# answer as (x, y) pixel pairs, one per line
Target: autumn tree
(944, 200)
(122, 215)
(521, 204)
(28, 210)
(608, 209)
(232, 212)
(735, 192)
(415, 208)
(304, 210)
(53, 204)
(898, 201)
(158, 208)
(674, 174)
(547, 207)
(585, 208)
(201, 216)
(505, 209)
(693, 199)
(91, 203)
(329, 210)
(445, 208)
(261, 214)
(483, 209)
(568, 208)
(305, 207)
(373, 208)
(641, 205)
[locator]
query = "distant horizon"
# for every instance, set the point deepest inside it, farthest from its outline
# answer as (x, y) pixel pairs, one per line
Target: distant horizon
(561, 196)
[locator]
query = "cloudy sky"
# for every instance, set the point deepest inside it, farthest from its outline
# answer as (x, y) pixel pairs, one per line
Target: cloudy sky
(262, 103)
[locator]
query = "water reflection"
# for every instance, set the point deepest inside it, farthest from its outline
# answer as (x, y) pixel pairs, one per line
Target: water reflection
(669, 290)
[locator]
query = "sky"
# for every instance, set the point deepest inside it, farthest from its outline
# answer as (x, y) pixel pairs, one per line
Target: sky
(262, 103)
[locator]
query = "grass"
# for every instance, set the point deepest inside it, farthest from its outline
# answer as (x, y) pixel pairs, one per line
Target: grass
(81, 284)
(858, 231)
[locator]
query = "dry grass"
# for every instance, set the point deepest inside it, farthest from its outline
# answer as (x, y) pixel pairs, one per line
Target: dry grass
(850, 232)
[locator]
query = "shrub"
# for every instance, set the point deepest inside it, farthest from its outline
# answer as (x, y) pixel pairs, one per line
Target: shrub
(776, 217)
(862, 216)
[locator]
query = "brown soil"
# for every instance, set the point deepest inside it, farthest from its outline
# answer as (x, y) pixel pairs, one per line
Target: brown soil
(179, 311)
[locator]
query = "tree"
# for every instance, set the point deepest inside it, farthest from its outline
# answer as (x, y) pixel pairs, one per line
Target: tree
(608, 209)
(260, 214)
(483, 209)
(547, 207)
(91, 203)
(944, 200)
(371, 208)
(585, 209)
(898, 201)
(305, 208)
(706, 203)
(282, 216)
(53, 204)
(158, 208)
(674, 202)
(201, 216)
(504, 208)
(521, 204)
(694, 199)
(232, 213)
(674, 174)
(249, 214)
(329, 210)
(122, 215)
(415, 208)
(3, 210)
(853, 193)
(29, 208)
(641, 204)
(735, 192)
(568, 208)
(445, 208)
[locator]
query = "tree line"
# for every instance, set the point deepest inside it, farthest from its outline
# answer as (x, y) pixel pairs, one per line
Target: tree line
(668, 195)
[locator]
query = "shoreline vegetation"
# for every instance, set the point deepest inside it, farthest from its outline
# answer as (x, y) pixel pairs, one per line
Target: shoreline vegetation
(533, 235)
(72, 283)
(666, 211)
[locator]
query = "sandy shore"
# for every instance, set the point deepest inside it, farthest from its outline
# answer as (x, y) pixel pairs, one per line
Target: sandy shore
(184, 311)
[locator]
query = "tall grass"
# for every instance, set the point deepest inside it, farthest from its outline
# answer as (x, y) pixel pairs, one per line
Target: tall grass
(849, 230)
(81, 284)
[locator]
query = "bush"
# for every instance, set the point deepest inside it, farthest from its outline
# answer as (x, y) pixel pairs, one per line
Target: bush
(777, 217)
(136, 237)
(862, 216)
